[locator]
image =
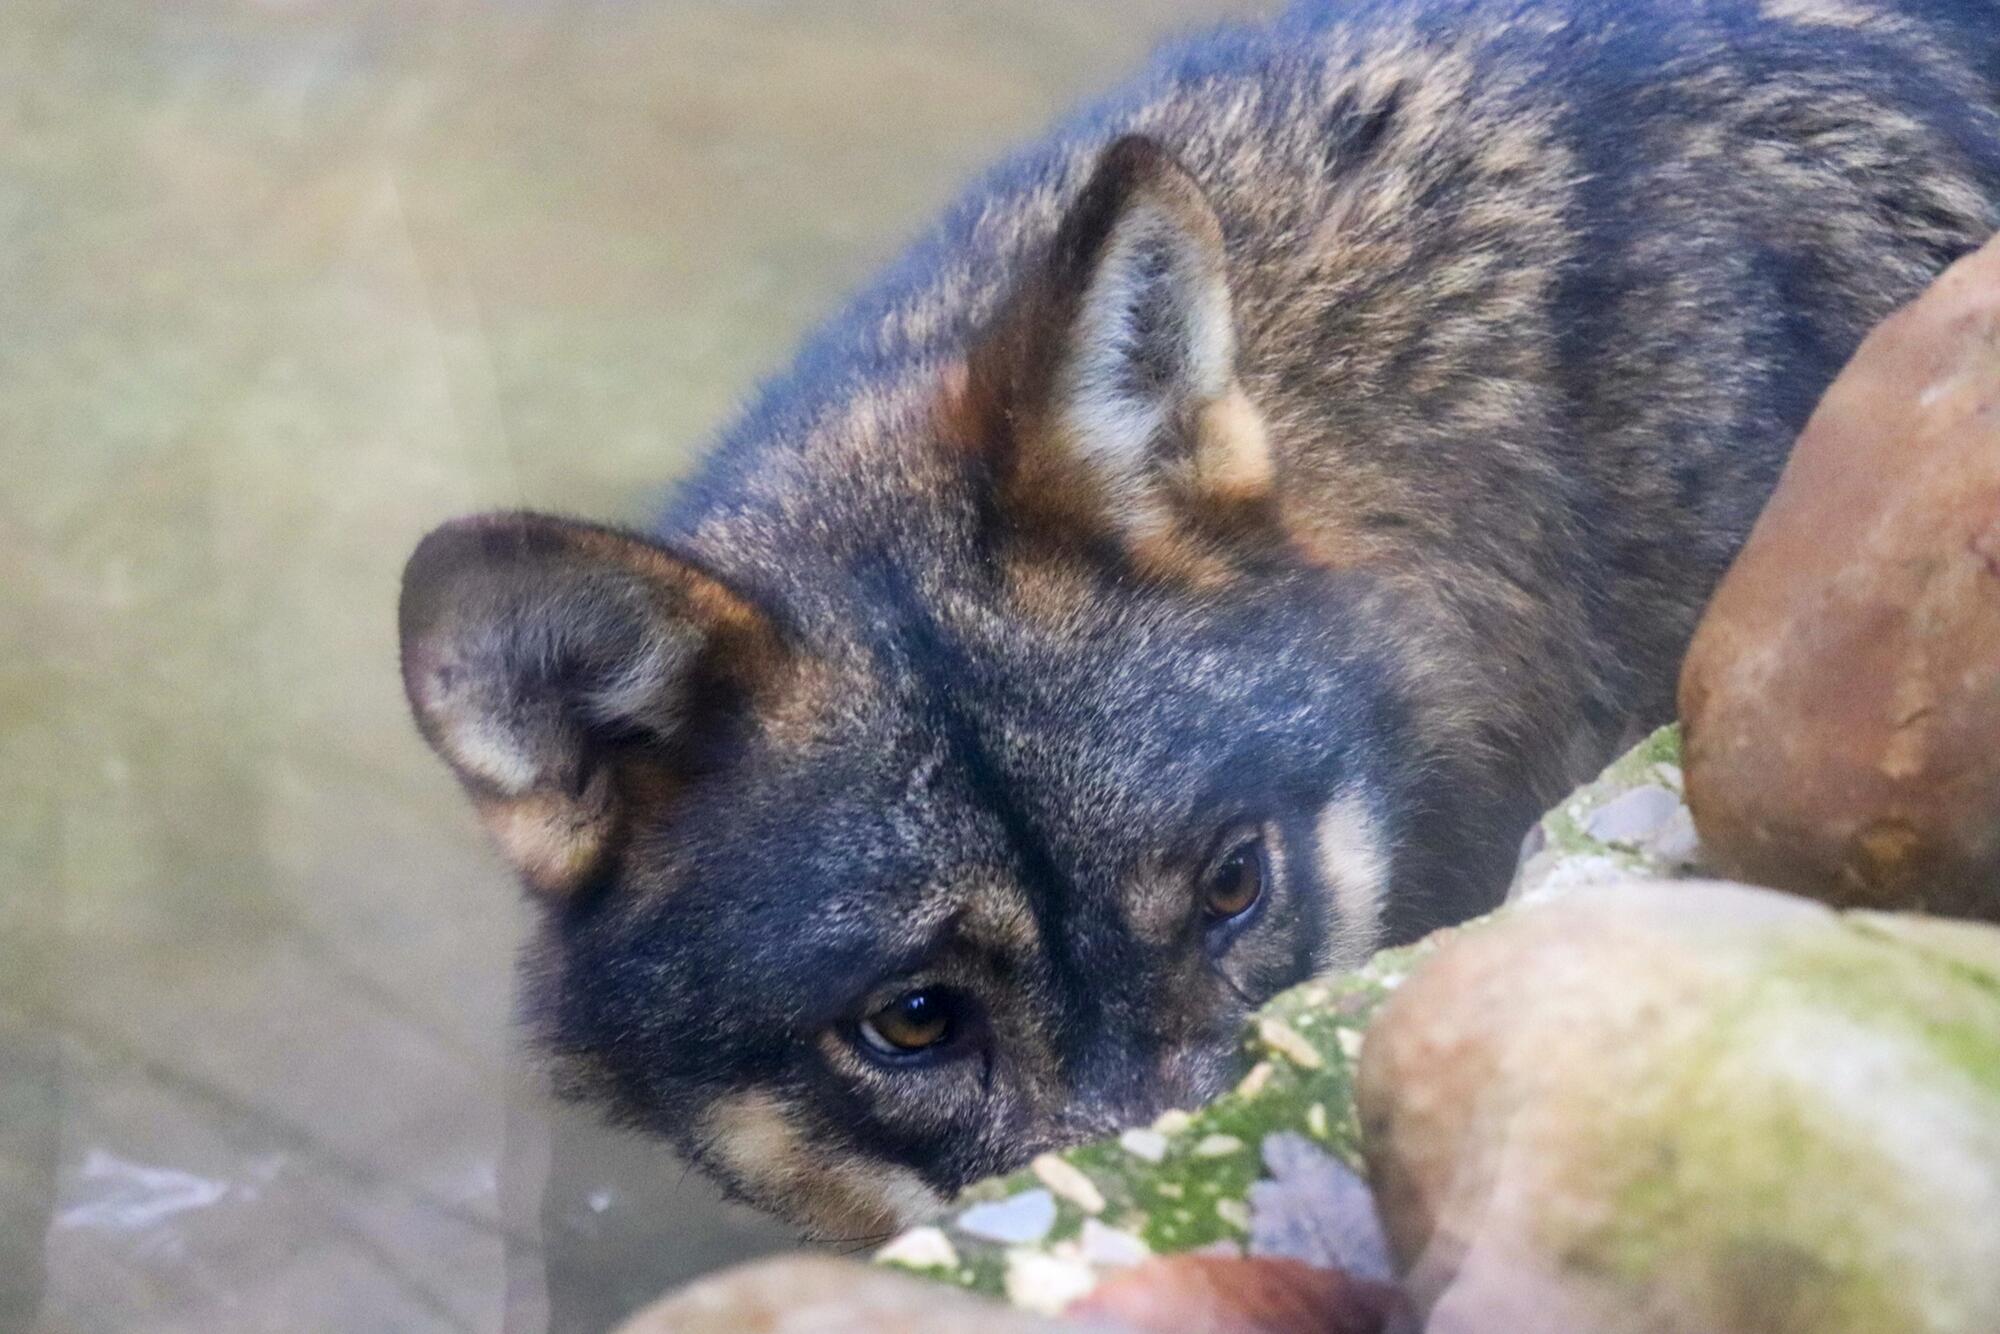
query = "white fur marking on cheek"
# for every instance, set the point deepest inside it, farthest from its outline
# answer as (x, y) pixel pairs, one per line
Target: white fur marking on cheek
(903, 1195)
(756, 1144)
(750, 1136)
(1354, 863)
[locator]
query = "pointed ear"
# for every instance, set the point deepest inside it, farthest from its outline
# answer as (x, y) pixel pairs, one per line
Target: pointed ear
(1112, 371)
(555, 666)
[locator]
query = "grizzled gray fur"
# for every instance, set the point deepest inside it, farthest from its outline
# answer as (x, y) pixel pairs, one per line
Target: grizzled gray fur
(1191, 567)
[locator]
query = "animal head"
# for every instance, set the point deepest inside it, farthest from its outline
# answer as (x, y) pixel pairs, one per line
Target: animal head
(968, 804)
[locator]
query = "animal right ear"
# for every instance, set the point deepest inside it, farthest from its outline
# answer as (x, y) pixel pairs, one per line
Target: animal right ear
(555, 666)
(1106, 389)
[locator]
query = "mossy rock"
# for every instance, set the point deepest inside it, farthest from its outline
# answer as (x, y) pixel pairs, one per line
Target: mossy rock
(1695, 1106)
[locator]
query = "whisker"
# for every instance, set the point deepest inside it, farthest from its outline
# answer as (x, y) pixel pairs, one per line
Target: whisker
(855, 1245)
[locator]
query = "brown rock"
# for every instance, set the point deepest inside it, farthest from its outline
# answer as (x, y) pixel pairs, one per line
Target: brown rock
(814, 1294)
(1842, 697)
(1208, 1294)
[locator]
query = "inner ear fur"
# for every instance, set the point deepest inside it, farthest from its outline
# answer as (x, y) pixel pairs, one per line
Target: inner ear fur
(1107, 386)
(555, 665)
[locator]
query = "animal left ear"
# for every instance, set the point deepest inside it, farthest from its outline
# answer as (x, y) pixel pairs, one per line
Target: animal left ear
(1111, 374)
(562, 670)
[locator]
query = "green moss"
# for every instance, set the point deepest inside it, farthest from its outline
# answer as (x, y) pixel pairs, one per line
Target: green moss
(1720, 1202)
(1749, 1186)
(1662, 747)
(1887, 981)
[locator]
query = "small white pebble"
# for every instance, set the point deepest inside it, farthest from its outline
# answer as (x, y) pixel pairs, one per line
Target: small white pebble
(1350, 1043)
(1018, 1219)
(920, 1248)
(1676, 843)
(1253, 1083)
(1148, 1144)
(1112, 1246)
(1217, 1146)
(1235, 1213)
(1172, 1122)
(1316, 1119)
(1287, 1042)
(1066, 1180)
(1631, 817)
(1046, 1284)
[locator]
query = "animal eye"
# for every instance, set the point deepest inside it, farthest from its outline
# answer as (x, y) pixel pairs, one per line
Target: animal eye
(1234, 881)
(915, 1021)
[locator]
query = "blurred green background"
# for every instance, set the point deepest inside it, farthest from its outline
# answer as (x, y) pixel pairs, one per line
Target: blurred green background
(285, 283)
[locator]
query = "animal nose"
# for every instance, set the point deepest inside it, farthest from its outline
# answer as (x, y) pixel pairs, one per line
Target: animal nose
(1192, 1074)
(1113, 1088)
(1129, 1088)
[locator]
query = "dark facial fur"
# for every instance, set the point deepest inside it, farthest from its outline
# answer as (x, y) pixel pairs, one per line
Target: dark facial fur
(1327, 443)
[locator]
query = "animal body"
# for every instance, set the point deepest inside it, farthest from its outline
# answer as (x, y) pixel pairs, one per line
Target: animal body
(1190, 568)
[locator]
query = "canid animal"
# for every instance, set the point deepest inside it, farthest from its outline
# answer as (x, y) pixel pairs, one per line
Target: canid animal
(1190, 568)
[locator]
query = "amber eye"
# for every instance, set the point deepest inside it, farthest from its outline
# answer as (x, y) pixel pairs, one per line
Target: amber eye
(913, 1022)
(1235, 881)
